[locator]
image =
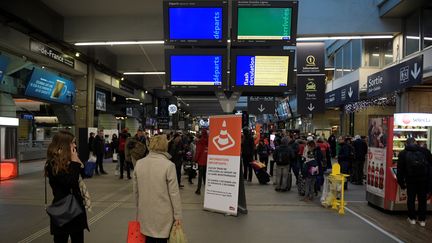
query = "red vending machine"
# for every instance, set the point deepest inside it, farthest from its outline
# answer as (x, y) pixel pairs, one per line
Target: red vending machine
(387, 136)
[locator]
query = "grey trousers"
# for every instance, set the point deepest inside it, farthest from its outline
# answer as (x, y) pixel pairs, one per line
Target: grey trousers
(282, 172)
(310, 186)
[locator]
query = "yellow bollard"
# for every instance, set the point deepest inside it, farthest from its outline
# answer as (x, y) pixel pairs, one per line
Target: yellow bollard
(337, 178)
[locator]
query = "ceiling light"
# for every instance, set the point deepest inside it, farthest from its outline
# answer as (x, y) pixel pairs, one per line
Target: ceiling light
(134, 99)
(322, 38)
(143, 73)
(113, 43)
(388, 55)
(330, 69)
(146, 92)
(122, 79)
(77, 54)
(375, 54)
(43, 67)
(413, 37)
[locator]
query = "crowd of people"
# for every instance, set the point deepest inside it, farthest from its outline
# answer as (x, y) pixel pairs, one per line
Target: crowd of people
(158, 163)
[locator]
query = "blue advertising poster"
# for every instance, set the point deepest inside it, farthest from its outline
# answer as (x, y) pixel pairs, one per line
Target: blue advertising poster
(4, 62)
(245, 71)
(51, 87)
(196, 70)
(195, 23)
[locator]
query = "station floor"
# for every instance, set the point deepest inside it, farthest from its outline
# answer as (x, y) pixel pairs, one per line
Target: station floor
(272, 217)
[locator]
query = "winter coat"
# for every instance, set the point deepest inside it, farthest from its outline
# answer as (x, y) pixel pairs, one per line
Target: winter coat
(99, 145)
(346, 153)
(176, 151)
(361, 149)
(157, 194)
(248, 147)
(284, 148)
(202, 151)
(62, 184)
(402, 174)
(263, 150)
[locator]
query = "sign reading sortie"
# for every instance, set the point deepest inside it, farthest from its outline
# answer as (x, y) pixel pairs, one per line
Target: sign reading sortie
(223, 164)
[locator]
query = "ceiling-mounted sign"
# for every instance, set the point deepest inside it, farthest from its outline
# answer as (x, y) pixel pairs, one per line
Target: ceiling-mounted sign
(343, 95)
(51, 53)
(310, 58)
(163, 122)
(163, 104)
(4, 62)
(310, 94)
(51, 87)
(172, 109)
(259, 105)
(403, 75)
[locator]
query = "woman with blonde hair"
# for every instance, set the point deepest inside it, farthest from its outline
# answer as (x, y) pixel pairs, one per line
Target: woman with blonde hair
(63, 168)
(157, 193)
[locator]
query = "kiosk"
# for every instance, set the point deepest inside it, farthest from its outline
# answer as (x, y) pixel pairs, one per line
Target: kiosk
(8, 148)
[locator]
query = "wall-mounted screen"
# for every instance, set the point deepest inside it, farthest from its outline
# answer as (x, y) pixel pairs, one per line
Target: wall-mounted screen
(261, 70)
(264, 22)
(100, 101)
(195, 22)
(51, 87)
(191, 69)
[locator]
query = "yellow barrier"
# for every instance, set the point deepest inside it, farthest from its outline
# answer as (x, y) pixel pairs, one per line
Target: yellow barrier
(335, 184)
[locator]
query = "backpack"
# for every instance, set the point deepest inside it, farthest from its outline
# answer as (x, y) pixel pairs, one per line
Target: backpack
(416, 164)
(284, 157)
(122, 144)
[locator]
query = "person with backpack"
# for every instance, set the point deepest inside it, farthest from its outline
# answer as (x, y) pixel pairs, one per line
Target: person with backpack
(311, 168)
(413, 174)
(247, 153)
(175, 149)
(284, 157)
(121, 153)
(326, 153)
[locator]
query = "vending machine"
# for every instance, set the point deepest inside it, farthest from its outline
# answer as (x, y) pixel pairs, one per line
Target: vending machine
(387, 137)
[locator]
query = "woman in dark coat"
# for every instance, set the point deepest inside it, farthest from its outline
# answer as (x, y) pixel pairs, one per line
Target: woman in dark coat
(248, 147)
(63, 169)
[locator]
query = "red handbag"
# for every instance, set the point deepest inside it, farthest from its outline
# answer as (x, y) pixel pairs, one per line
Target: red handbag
(134, 233)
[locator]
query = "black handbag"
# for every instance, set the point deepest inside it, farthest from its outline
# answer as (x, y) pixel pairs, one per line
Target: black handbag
(64, 210)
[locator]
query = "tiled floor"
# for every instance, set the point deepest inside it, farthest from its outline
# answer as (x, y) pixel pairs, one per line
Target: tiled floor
(272, 217)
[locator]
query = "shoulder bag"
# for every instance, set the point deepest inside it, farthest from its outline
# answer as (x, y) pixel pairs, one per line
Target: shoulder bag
(64, 210)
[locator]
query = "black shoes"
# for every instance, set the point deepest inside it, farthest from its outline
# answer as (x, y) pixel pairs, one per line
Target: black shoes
(103, 173)
(198, 192)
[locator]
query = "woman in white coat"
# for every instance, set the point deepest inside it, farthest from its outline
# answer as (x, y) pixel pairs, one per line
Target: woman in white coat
(157, 193)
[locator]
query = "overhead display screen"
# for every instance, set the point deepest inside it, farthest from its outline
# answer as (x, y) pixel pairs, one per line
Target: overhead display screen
(264, 23)
(191, 70)
(51, 87)
(195, 23)
(262, 71)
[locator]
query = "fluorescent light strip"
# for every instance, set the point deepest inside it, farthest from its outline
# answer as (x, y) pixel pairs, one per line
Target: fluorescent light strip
(113, 43)
(344, 37)
(418, 38)
(9, 121)
(144, 73)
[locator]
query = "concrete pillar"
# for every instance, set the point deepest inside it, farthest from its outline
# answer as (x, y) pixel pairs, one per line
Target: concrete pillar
(415, 100)
(84, 103)
(7, 105)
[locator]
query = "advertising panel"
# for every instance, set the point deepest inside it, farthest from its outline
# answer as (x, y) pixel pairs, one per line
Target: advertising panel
(376, 171)
(49, 86)
(223, 166)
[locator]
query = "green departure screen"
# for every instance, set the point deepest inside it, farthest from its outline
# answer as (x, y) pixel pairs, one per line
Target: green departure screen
(264, 23)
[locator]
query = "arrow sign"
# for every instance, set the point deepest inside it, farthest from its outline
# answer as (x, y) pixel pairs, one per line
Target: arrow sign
(261, 108)
(260, 105)
(415, 73)
(311, 107)
(350, 92)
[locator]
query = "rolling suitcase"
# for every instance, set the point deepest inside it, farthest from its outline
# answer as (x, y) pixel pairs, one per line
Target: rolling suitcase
(89, 168)
(262, 175)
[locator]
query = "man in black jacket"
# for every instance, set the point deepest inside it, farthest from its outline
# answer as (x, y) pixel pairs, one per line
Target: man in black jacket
(247, 153)
(99, 150)
(413, 174)
(360, 151)
(284, 157)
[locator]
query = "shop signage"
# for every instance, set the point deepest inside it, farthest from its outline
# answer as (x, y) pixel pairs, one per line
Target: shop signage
(343, 95)
(261, 105)
(163, 122)
(100, 101)
(4, 62)
(400, 76)
(310, 94)
(413, 119)
(310, 58)
(51, 53)
(223, 166)
(48, 86)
